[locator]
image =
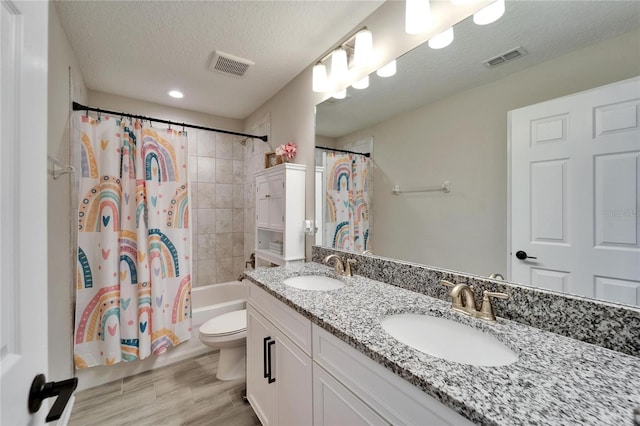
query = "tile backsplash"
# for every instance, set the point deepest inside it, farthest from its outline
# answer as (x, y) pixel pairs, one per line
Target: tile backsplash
(609, 325)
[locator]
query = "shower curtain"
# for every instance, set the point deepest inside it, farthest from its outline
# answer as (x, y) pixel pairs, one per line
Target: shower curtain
(134, 242)
(347, 202)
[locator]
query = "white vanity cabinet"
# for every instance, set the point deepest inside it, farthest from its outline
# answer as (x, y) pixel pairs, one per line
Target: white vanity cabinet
(280, 204)
(300, 374)
(369, 391)
(279, 366)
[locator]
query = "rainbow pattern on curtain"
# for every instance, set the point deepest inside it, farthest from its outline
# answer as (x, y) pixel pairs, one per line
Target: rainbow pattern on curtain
(347, 202)
(134, 242)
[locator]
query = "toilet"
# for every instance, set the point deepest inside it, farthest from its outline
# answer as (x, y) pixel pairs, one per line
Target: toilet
(228, 332)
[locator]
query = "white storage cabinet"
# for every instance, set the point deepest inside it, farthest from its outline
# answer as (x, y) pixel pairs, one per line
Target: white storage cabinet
(280, 204)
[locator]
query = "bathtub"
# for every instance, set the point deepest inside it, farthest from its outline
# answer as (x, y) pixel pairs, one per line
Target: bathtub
(217, 299)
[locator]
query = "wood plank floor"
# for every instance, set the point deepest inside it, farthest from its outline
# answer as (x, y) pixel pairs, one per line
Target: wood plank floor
(186, 393)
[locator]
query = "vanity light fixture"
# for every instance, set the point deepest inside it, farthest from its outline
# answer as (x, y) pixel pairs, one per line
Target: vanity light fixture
(387, 70)
(441, 40)
(340, 94)
(320, 80)
(417, 16)
(363, 50)
(176, 94)
(358, 47)
(361, 84)
(489, 14)
(339, 66)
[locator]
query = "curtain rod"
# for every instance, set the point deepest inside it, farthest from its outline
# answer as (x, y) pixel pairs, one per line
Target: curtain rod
(342, 150)
(80, 107)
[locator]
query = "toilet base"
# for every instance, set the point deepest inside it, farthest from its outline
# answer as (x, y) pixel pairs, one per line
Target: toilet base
(232, 363)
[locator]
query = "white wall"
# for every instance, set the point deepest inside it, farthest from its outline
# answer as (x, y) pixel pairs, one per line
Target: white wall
(292, 108)
(326, 141)
(174, 113)
(65, 81)
(464, 139)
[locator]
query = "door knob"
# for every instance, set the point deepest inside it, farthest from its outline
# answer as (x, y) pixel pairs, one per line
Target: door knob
(522, 255)
(41, 390)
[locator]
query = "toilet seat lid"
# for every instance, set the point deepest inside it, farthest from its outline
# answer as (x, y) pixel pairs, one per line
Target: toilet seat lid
(226, 324)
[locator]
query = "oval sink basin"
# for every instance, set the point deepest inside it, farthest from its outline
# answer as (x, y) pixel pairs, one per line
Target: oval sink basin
(448, 340)
(314, 282)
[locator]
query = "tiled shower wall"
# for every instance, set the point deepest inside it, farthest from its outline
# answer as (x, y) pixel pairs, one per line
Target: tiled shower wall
(216, 174)
(253, 162)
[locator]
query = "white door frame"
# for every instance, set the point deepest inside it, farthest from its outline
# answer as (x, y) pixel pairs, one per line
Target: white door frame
(23, 206)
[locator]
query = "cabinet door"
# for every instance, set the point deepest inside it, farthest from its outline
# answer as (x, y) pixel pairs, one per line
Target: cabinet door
(335, 405)
(293, 371)
(262, 202)
(260, 393)
(276, 202)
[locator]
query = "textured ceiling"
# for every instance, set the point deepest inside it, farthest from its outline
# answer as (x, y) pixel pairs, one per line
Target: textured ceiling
(546, 29)
(143, 49)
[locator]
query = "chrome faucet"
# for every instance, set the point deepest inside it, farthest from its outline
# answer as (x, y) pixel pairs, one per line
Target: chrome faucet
(463, 301)
(342, 266)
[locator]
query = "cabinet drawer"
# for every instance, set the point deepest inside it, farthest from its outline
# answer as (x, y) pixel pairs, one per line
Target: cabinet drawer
(395, 399)
(291, 323)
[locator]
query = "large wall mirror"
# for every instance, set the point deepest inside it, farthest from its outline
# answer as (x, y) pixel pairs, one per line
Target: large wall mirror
(435, 186)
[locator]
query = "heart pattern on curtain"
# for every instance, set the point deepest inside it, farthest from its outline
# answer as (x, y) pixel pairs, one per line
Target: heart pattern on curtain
(134, 241)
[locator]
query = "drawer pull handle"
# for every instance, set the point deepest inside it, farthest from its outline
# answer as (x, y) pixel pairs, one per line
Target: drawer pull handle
(265, 361)
(271, 343)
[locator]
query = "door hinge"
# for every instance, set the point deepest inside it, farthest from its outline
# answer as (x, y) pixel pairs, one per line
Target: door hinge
(283, 218)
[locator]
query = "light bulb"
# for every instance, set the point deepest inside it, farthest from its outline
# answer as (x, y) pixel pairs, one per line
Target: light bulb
(363, 51)
(361, 84)
(340, 94)
(387, 70)
(489, 14)
(176, 94)
(320, 80)
(441, 40)
(417, 16)
(339, 66)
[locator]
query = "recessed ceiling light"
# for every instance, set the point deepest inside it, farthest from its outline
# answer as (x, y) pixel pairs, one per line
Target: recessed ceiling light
(176, 94)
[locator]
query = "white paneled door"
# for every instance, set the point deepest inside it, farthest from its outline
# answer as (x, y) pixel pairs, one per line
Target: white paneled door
(23, 206)
(575, 193)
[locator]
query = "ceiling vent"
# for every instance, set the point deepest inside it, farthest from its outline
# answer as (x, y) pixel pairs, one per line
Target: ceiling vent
(512, 54)
(228, 64)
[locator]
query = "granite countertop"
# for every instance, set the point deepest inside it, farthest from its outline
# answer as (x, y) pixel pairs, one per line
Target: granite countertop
(556, 380)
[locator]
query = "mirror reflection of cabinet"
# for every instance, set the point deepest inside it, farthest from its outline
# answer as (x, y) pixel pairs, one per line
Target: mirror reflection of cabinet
(280, 199)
